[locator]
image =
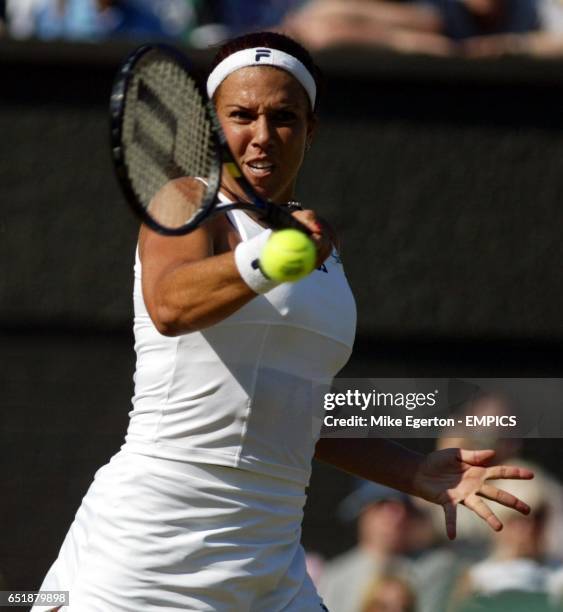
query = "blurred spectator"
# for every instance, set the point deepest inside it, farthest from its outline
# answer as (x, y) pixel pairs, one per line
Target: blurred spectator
(74, 19)
(550, 14)
(467, 18)
(548, 42)
(405, 27)
(501, 27)
(20, 15)
(242, 16)
(223, 19)
(161, 18)
(435, 568)
(383, 516)
(394, 537)
(389, 594)
(99, 19)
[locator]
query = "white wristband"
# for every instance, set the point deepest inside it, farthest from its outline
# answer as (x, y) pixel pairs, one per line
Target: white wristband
(247, 255)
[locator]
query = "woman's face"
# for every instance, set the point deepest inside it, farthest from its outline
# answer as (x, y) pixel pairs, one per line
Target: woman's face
(265, 115)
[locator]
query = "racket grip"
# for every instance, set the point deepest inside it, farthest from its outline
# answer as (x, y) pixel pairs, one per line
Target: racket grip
(279, 218)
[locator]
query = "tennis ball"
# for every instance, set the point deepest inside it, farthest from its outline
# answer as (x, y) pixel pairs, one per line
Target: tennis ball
(289, 255)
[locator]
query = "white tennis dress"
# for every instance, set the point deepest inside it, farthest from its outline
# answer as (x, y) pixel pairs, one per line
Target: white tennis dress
(201, 509)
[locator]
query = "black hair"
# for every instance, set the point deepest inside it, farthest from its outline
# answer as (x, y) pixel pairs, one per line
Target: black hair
(272, 40)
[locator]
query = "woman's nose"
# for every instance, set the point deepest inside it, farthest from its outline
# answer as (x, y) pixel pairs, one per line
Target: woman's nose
(263, 132)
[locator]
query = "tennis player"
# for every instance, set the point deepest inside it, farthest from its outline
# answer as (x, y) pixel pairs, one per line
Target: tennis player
(201, 508)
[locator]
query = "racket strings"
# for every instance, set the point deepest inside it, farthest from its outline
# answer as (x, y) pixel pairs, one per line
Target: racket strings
(167, 135)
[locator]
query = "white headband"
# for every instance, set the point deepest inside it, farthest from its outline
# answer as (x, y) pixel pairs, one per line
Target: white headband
(262, 56)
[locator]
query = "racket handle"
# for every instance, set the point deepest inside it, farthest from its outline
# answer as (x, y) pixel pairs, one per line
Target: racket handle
(279, 218)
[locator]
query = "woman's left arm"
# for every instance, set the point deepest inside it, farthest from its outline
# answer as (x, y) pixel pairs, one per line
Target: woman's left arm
(447, 477)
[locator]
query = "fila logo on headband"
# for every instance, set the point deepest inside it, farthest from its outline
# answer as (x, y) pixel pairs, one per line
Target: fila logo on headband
(262, 56)
(261, 53)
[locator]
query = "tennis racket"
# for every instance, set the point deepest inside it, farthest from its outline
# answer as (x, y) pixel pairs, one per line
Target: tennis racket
(164, 129)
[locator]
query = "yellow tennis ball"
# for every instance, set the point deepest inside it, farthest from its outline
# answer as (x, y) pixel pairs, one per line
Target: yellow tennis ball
(289, 255)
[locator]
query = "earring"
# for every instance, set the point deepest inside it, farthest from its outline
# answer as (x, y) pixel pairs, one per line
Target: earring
(308, 146)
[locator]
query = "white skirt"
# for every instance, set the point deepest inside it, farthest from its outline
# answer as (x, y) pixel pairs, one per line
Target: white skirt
(153, 534)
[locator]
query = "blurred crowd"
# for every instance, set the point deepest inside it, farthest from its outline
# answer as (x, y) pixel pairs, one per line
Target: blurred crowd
(402, 561)
(473, 28)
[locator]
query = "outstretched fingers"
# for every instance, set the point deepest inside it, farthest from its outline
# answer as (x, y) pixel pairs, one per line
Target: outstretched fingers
(508, 471)
(481, 509)
(504, 498)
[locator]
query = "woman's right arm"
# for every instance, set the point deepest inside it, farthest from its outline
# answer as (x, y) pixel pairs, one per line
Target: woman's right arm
(185, 286)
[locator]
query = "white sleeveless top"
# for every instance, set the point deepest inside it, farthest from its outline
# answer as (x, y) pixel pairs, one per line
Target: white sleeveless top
(239, 393)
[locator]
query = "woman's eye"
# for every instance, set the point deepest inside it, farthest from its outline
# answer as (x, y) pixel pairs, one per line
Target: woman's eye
(284, 116)
(242, 115)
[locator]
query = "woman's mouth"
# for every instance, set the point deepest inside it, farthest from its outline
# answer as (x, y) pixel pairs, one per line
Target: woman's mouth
(260, 168)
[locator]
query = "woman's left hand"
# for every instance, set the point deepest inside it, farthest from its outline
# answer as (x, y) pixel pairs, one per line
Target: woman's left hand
(455, 476)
